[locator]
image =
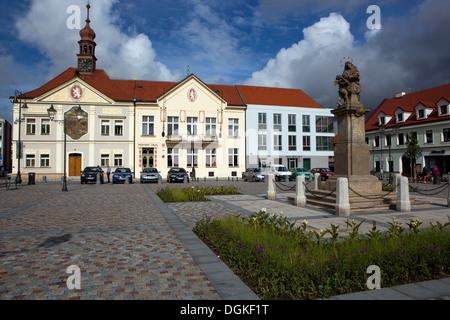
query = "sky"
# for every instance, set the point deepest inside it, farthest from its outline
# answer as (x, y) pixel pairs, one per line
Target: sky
(403, 46)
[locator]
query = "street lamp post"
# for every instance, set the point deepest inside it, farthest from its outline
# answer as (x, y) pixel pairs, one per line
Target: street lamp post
(19, 149)
(382, 129)
(51, 113)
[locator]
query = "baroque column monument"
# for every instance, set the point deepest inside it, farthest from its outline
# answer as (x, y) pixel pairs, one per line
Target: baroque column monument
(351, 152)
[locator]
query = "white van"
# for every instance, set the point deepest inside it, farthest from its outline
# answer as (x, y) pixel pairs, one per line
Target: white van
(279, 171)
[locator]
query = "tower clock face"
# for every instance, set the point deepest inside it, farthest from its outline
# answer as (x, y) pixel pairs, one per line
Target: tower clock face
(85, 65)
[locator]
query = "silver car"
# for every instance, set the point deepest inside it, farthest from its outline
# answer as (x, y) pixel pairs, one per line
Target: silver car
(150, 175)
(253, 174)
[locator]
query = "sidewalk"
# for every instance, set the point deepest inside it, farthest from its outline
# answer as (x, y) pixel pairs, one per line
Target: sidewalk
(130, 245)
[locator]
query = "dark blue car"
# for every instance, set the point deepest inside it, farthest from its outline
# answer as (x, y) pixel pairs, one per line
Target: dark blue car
(121, 175)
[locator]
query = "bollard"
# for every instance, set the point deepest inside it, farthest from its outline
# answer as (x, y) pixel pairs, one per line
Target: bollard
(185, 179)
(286, 178)
(44, 179)
(99, 181)
(342, 200)
(127, 181)
(316, 181)
(396, 181)
(300, 197)
(159, 180)
(271, 191)
(403, 203)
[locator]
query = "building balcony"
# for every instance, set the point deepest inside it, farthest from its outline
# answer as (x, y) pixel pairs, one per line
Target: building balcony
(204, 139)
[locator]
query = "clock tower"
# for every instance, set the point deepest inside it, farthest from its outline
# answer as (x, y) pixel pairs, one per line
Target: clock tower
(86, 57)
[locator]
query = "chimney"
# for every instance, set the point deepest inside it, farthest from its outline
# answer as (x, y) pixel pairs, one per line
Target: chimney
(400, 94)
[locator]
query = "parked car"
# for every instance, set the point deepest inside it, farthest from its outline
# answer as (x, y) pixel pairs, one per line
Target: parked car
(89, 174)
(280, 171)
(325, 173)
(253, 174)
(177, 175)
(300, 172)
(121, 174)
(150, 175)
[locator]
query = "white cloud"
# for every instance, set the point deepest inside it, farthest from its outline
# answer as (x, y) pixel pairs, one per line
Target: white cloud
(313, 63)
(121, 55)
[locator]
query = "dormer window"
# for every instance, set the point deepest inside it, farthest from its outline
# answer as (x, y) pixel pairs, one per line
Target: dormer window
(382, 121)
(421, 114)
(443, 107)
(443, 110)
(399, 117)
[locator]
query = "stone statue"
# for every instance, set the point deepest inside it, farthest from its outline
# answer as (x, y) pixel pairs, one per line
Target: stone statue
(349, 87)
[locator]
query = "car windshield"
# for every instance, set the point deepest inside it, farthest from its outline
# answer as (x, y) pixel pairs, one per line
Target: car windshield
(123, 170)
(147, 170)
(177, 170)
(282, 169)
(257, 170)
(92, 169)
(326, 170)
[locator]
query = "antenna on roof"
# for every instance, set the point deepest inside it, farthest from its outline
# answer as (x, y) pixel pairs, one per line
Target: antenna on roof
(188, 70)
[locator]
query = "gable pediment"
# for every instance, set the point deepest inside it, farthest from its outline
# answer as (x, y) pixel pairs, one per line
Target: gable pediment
(75, 91)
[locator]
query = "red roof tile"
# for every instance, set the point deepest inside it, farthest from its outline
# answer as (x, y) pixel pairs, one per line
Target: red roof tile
(429, 98)
(276, 97)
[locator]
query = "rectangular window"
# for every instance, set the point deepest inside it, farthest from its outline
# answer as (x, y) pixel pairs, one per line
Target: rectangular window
(401, 139)
(233, 157)
(377, 141)
(45, 160)
(210, 127)
(105, 127)
(45, 126)
(277, 122)
(30, 160)
(388, 141)
(292, 127)
(211, 157)
(446, 133)
(192, 157)
(277, 142)
(31, 126)
(172, 126)
(233, 127)
(118, 127)
(104, 160)
(306, 124)
(192, 126)
(172, 157)
(292, 143)
(148, 125)
(421, 113)
(324, 124)
(429, 136)
(306, 143)
(118, 162)
(443, 110)
(400, 117)
(262, 142)
(324, 143)
(262, 121)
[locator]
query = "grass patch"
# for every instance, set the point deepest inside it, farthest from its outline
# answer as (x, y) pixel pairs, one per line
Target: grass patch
(194, 193)
(280, 261)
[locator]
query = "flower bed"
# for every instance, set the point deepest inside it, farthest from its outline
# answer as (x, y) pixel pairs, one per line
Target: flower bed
(194, 193)
(280, 261)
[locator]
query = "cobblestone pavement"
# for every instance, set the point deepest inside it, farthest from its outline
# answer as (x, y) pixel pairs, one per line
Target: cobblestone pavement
(113, 233)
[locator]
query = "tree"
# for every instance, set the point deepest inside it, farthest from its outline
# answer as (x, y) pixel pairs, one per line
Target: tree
(412, 151)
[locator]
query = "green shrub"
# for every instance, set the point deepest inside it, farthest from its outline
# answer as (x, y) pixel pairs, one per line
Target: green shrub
(282, 261)
(194, 193)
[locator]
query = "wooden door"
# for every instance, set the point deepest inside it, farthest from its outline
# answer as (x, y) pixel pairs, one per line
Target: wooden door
(74, 164)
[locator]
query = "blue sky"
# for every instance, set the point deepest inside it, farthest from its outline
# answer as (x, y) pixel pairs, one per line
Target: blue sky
(282, 43)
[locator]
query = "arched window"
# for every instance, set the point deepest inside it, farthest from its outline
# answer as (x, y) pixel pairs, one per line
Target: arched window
(85, 49)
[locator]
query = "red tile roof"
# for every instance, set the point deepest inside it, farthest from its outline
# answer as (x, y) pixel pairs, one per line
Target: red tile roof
(276, 97)
(429, 98)
(149, 91)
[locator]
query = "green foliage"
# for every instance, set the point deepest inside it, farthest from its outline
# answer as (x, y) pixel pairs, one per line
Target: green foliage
(194, 193)
(280, 260)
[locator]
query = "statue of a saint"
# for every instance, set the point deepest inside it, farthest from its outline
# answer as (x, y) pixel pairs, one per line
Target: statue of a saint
(349, 87)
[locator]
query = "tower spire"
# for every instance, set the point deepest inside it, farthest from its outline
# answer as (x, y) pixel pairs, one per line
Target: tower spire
(86, 57)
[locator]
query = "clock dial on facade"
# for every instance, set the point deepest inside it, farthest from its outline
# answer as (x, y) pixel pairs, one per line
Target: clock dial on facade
(85, 65)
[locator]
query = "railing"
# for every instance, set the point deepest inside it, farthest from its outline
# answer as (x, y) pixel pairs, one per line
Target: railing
(191, 138)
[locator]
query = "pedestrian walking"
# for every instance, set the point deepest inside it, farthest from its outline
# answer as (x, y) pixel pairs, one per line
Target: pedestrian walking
(108, 172)
(436, 174)
(424, 174)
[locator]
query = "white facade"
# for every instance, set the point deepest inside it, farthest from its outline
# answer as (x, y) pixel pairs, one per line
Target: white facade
(292, 136)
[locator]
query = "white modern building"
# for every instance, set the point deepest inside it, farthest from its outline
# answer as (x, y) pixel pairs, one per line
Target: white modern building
(285, 126)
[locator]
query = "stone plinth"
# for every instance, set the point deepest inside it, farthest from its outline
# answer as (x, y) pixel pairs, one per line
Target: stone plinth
(351, 152)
